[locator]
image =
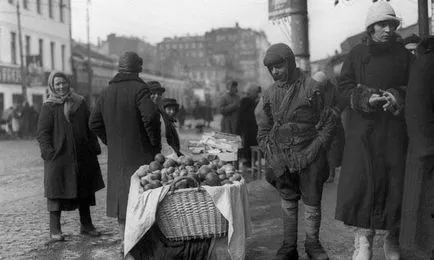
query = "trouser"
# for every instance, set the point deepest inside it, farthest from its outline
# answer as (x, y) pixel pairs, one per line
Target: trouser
(307, 185)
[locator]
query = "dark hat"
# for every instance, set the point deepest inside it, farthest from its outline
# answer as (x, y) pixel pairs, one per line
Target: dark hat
(278, 53)
(130, 62)
(170, 102)
(155, 86)
(231, 83)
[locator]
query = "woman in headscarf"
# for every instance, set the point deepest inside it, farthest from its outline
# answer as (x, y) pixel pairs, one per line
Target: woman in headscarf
(72, 173)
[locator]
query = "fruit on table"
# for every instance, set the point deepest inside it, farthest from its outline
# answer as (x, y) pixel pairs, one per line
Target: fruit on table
(207, 171)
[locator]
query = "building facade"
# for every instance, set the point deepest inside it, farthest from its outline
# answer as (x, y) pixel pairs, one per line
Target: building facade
(46, 46)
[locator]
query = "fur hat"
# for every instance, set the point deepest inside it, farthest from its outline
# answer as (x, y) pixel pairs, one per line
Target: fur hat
(130, 62)
(381, 11)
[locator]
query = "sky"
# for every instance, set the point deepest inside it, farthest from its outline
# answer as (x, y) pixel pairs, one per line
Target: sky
(153, 20)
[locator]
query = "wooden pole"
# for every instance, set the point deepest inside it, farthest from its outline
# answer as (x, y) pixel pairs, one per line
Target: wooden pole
(20, 46)
(423, 19)
(89, 66)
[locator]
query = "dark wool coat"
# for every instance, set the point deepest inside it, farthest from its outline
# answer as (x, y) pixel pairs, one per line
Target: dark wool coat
(69, 150)
(417, 226)
(371, 182)
(126, 120)
(246, 125)
(229, 106)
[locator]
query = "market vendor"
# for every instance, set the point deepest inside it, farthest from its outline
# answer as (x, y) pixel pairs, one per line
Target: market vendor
(294, 131)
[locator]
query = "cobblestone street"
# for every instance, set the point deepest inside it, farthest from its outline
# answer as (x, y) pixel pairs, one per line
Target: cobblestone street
(24, 218)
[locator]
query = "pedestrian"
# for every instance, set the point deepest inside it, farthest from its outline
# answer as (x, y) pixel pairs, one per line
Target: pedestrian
(246, 123)
(373, 84)
(294, 131)
(16, 121)
(123, 120)
(336, 150)
(417, 226)
(26, 117)
(72, 173)
(229, 106)
(181, 116)
(157, 91)
(208, 114)
(170, 138)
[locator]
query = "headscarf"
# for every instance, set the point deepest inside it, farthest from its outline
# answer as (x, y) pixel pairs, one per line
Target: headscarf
(130, 62)
(71, 101)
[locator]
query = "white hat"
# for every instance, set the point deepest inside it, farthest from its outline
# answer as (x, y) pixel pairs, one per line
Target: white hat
(381, 11)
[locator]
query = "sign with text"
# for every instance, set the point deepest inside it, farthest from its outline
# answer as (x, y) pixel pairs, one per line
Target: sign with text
(278, 9)
(10, 75)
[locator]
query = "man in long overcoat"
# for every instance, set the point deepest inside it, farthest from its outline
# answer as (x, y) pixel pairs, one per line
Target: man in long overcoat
(294, 131)
(373, 84)
(229, 105)
(123, 120)
(417, 227)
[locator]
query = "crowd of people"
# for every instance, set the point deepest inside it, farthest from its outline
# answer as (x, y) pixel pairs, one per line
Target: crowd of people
(19, 121)
(384, 90)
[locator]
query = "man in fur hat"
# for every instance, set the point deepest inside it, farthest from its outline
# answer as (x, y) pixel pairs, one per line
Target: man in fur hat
(294, 131)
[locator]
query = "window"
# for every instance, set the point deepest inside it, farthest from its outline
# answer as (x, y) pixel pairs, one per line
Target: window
(13, 48)
(50, 8)
(38, 6)
(61, 6)
(41, 51)
(52, 55)
(26, 4)
(17, 99)
(27, 45)
(63, 57)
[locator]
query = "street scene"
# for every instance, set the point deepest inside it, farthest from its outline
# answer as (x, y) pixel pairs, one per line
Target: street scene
(217, 130)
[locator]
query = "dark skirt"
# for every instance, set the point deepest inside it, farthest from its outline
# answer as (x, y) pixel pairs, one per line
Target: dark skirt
(69, 204)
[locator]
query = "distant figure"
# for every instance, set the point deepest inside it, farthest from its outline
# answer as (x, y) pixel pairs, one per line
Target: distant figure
(72, 173)
(208, 114)
(123, 120)
(181, 116)
(171, 146)
(16, 120)
(246, 122)
(229, 106)
(336, 149)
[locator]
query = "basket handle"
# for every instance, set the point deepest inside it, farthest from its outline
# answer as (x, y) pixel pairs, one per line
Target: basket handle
(196, 183)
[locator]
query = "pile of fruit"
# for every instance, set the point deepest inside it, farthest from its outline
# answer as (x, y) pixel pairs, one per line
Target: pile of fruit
(207, 171)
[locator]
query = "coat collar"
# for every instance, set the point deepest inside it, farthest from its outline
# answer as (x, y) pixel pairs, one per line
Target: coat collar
(122, 76)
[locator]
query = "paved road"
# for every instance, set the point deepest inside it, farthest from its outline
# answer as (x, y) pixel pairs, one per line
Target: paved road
(24, 219)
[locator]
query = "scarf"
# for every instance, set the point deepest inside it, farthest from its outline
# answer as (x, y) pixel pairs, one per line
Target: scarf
(70, 101)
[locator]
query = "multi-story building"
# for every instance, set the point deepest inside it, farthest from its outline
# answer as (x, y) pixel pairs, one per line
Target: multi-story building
(46, 46)
(115, 45)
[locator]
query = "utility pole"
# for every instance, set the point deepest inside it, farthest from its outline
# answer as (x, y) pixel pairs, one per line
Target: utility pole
(89, 68)
(22, 67)
(300, 33)
(423, 20)
(432, 17)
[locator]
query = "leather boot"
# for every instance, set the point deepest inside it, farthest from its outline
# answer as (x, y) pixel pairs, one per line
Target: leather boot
(87, 227)
(288, 250)
(363, 244)
(391, 246)
(312, 244)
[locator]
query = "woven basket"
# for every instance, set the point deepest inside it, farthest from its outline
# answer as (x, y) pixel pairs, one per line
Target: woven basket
(187, 214)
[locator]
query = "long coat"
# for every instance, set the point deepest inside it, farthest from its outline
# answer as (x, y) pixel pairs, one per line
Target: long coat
(417, 227)
(229, 106)
(69, 150)
(371, 181)
(127, 121)
(247, 127)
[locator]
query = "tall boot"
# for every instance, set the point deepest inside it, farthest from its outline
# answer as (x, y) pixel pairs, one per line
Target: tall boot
(55, 228)
(391, 246)
(363, 239)
(312, 244)
(87, 226)
(122, 234)
(288, 250)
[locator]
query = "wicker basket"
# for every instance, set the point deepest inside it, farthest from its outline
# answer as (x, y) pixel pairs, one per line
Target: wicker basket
(187, 214)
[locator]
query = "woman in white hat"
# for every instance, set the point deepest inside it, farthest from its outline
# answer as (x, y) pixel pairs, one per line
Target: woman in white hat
(373, 84)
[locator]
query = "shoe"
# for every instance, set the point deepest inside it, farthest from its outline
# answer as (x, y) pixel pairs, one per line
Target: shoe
(57, 237)
(90, 231)
(288, 250)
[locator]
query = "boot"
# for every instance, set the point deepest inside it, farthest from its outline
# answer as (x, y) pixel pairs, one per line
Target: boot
(87, 227)
(55, 228)
(363, 241)
(391, 246)
(312, 245)
(122, 233)
(288, 250)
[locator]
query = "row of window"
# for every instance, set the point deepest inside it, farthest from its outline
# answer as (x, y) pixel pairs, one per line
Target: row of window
(180, 46)
(28, 51)
(50, 5)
